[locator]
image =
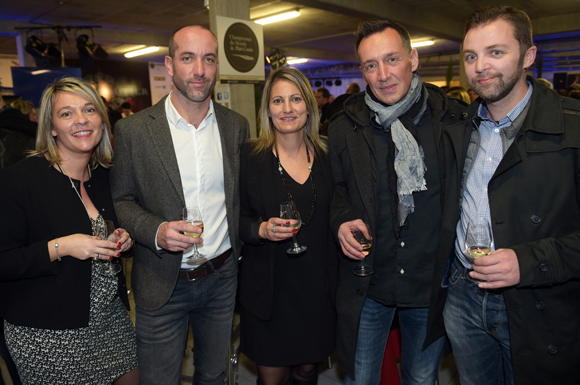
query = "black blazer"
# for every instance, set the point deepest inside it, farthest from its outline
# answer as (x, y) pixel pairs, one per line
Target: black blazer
(38, 204)
(258, 204)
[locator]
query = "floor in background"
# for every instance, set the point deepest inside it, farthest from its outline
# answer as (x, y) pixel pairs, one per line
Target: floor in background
(247, 373)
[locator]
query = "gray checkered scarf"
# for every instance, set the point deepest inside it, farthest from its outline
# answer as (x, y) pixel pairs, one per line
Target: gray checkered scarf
(409, 160)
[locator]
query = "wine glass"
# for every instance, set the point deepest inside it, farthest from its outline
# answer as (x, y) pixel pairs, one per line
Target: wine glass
(288, 210)
(478, 240)
(109, 269)
(363, 270)
(192, 215)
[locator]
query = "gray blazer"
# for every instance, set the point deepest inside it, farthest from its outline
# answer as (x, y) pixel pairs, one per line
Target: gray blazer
(147, 191)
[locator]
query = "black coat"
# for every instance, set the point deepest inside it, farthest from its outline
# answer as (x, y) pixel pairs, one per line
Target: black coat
(355, 176)
(534, 200)
(38, 204)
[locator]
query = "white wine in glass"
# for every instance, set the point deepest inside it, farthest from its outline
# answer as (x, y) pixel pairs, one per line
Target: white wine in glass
(192, 215)
(110, 269)
(288, 210)
(478, 241)
(363, 270)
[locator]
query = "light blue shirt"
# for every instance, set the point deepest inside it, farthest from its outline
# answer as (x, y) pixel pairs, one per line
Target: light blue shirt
(475, 203)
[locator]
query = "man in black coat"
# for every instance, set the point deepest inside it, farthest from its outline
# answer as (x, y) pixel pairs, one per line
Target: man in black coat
(517, 165)
(384, 157)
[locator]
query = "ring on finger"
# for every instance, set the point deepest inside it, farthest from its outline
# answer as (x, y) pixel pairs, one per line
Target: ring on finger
(273, 228)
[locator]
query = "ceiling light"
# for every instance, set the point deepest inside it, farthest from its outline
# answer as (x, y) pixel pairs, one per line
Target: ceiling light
(296, 61)
(142, 51)
(422, 43)
(279, 17)
(40, 72)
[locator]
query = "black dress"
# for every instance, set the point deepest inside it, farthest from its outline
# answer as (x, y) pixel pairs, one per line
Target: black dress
(301, 328)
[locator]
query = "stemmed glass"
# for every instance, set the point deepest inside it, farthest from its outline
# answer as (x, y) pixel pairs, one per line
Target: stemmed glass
(288, 210)
(110, 269)
(363, 270)
(478, 240)
(192, 215)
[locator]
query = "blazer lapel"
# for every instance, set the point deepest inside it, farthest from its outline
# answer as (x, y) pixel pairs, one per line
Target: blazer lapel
(229, 137)
(360, 143)
(158, 128)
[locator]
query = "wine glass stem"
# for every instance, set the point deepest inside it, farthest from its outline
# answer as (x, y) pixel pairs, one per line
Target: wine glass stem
(295, 242)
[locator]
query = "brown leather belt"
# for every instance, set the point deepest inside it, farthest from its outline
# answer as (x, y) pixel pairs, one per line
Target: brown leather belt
(206, 269)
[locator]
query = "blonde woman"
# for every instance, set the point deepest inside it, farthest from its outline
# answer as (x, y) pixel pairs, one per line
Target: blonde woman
(287, 314)
(64, 322)
(26, 108)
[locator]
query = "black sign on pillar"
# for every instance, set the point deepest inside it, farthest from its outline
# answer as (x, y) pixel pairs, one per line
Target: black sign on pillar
(241, 47)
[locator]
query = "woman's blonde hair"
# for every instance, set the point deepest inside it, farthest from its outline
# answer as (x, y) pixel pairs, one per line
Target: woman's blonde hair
(46, 143)
(22, 106)
(267, 135)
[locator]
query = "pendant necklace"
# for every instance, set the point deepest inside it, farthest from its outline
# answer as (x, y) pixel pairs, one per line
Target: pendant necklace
(62, 170)
(281, 170)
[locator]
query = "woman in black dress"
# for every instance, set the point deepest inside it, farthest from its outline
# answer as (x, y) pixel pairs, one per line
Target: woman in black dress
(287, 313)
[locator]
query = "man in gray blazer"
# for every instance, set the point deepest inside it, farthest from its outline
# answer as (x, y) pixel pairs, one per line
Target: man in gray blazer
(181, 152)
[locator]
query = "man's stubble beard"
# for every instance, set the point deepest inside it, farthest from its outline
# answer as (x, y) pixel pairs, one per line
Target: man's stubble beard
(502, 89)
(183, 88)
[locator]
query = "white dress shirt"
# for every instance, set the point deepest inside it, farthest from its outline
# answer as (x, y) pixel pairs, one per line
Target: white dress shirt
(199, 157)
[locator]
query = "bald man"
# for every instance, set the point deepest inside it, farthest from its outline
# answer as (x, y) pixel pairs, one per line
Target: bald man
(182, 152)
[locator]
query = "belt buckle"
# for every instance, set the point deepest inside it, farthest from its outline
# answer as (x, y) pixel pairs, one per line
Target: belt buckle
(187, 273)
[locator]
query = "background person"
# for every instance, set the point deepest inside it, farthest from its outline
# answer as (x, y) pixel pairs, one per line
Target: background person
(26, 108)
(287, 314)
(459, 93)
(64, 322)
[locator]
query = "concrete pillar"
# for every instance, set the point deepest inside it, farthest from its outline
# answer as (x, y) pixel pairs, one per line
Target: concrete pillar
(242, 95)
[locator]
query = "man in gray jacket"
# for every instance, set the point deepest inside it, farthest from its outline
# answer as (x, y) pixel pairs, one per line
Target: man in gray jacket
(182, 152)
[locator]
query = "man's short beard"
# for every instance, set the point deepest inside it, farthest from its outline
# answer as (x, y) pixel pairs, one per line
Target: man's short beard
(502, 89)
(182, 87)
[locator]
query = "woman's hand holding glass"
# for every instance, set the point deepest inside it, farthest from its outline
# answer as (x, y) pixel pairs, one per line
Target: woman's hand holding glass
(278, 229)
(83, 246)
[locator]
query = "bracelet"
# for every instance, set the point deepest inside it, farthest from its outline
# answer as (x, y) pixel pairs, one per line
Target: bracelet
(56, 248)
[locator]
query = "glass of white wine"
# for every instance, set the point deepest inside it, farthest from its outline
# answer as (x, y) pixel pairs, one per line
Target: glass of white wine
(363, 270)
(110, 269)
(288, 210)
(478, 240)
(192, 215)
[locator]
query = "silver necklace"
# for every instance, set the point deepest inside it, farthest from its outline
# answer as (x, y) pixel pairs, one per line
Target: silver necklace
(281, 170)
(62, 170)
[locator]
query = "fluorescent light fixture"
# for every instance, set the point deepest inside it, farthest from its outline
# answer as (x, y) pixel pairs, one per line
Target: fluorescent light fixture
(279, 17)
(142, 51)
(422, 43)
(39, 72)
(297, 61)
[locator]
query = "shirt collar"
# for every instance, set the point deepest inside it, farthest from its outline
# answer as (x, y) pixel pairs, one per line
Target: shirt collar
(482, 112)
(175, 118)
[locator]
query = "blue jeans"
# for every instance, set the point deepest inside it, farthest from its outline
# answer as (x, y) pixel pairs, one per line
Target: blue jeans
(476, 322)
(208, 304)
(420, 367)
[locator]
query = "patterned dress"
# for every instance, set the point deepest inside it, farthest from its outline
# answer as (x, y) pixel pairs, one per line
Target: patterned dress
(97, 354)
